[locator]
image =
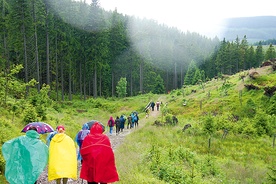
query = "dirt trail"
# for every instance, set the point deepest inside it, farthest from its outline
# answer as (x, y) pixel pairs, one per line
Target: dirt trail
(115, 140)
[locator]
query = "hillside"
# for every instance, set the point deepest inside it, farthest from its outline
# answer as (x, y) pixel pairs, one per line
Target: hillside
(230, 139)
(255, 28)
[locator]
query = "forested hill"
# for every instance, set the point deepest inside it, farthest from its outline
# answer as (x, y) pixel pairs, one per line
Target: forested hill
(255, 28)
(82, 49)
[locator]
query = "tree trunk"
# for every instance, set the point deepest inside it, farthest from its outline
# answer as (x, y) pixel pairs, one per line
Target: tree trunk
(175, 77)
(25, 59)
(36, 49)
(70, 80)
(5, 55)
(95, 82)
(100, 90)
(80, 79)
(141, 79)
(62, 80)
(112, 84)
(47, 46)
(131, 84)
(56, 69)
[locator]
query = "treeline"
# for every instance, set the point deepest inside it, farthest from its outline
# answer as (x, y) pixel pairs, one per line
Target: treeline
(232, 57)
(267, 42)
(81, 49)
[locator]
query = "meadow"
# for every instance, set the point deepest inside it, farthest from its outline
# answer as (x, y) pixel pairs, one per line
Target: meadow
(230, 141)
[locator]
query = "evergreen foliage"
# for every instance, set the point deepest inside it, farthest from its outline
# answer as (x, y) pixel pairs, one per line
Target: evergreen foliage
(121, 88)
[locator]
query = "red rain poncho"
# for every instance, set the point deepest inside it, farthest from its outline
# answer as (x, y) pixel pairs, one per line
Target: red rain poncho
(98, 158)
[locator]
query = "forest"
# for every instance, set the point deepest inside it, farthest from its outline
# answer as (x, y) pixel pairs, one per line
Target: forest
(77, 48)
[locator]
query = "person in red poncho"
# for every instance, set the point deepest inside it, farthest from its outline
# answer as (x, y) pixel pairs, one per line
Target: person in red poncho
(98, 164)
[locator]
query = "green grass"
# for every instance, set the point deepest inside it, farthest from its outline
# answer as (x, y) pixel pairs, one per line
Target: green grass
(166, 154)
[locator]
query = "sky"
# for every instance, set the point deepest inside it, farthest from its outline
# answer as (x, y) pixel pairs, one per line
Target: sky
(201, 16)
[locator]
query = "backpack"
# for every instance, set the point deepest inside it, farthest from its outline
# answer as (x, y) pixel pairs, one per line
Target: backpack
(110, 123)
(135, 118)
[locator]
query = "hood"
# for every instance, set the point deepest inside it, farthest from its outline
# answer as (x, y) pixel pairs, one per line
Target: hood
(32, 134)
(58, 137)
(96, 128)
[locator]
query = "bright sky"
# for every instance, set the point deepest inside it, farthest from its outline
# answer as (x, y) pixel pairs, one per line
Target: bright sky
(202, 16)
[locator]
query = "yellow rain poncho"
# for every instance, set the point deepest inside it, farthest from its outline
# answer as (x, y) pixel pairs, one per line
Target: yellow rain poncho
(62, 158)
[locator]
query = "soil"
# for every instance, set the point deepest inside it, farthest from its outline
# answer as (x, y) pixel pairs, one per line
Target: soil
(115, 140)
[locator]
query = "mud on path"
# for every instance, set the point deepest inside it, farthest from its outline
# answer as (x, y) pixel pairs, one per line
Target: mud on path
(115, 140)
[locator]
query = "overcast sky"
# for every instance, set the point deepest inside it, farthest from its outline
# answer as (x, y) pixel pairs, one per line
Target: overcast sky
(202, 16)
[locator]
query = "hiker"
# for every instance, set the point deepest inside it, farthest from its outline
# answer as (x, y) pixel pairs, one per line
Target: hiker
(80, 137)
(62, 157)
(122, 123)
(50, 136)
(157, 105)
(147, 112)
(136, 119)
(152, 105)
(129, 121)
(110, 124)
(26, 157)
(118, 124)
(132, 120)
(98, 158)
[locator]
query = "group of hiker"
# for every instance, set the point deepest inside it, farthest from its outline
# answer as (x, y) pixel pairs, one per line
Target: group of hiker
(119, 123)
(152, 105)
(27, 156)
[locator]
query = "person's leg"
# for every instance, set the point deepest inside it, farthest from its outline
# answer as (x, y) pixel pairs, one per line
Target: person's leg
(58, 181)
(65, 180)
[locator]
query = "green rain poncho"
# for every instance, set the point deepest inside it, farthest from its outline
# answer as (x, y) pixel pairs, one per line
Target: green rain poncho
(26, 157)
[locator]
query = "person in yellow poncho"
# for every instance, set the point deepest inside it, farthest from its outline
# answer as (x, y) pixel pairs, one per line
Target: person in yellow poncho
(62, 157)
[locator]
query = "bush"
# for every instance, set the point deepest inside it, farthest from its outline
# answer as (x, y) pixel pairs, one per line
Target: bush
(29, 115)
(262, 125)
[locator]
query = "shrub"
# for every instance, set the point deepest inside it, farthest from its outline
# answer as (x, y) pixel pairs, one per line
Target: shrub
(209, 125)
(262, 125)
(29, 115)
(271, 109)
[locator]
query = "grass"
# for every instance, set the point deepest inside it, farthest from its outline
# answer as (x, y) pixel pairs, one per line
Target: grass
(166, 154)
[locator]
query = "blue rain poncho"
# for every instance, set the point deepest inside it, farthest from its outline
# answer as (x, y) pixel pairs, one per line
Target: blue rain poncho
(26, 157)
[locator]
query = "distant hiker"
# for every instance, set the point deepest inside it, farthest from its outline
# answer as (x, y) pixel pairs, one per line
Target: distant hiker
(129, 121)
(122, 123)
(136, 119)
(110, 124)
(132, 120)
(80, 137)
(98, 158)
(147, 112)
(152, 105)
(26, 157)
(157, 105)
(62, 157)
(50, 136)
(118, 124)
